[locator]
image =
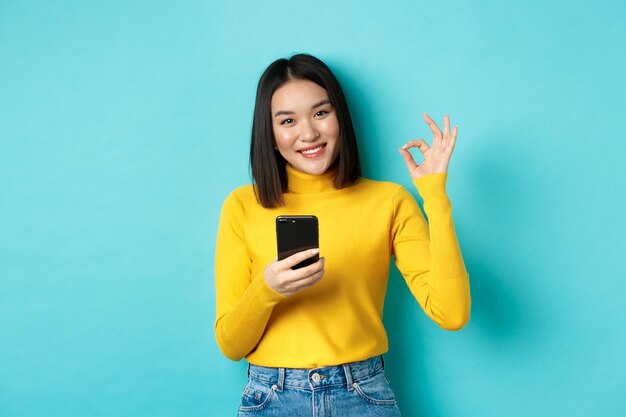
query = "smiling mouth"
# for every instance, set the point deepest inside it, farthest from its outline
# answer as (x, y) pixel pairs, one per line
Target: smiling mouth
(310, 152)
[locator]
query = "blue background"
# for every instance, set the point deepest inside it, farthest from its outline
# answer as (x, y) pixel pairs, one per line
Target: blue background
(123, 126)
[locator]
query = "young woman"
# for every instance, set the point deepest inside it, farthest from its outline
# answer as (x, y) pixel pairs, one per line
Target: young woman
(314, 336)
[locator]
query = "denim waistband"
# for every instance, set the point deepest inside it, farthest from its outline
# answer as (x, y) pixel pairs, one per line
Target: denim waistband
(313, 378)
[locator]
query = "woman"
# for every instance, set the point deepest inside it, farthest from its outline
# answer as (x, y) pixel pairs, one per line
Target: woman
(314, 336)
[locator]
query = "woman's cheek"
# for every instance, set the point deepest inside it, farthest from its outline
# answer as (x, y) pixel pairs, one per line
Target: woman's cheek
(283, 139)
(331, 126)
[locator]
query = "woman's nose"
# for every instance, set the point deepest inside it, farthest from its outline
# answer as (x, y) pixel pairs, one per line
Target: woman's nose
(308, 132)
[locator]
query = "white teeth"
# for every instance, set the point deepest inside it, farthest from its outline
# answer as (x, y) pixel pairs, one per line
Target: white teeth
(310, 151)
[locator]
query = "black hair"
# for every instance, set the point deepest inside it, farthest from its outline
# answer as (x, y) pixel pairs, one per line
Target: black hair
(269, 171)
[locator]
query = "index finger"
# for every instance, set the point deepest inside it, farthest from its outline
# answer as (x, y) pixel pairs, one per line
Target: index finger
(296, 258)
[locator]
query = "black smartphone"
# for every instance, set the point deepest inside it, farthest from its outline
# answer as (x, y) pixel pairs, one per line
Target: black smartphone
(295, 234)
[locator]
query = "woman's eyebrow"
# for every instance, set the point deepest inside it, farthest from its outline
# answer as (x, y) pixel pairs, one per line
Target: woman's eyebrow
(318, 104)
(280, 112)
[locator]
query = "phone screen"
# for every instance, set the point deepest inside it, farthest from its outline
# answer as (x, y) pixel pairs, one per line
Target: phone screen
(295, 234)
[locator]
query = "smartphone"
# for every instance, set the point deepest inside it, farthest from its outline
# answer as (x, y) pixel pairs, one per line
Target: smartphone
(295, 234)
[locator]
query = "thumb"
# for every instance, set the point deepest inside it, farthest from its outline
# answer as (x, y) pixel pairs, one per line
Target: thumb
(408, 158)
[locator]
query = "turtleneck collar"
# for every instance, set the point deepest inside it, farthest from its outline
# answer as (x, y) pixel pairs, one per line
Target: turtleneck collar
(302, 183)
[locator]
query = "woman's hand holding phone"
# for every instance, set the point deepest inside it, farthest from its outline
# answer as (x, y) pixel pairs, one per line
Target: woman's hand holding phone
(286, 281)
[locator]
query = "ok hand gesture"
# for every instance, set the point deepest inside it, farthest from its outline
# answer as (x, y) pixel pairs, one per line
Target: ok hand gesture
(437, 156)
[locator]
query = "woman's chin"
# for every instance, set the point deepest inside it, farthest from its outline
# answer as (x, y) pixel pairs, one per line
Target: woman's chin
(318, 170)
(312, 168)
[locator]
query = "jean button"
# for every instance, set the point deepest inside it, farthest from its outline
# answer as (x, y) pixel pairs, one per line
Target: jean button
(315, 377)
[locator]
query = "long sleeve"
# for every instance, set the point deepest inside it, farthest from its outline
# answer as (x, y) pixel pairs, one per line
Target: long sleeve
(428, 254)
(244, 303)
(339, 319)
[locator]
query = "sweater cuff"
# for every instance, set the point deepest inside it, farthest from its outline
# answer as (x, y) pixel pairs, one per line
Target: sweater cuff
(266, 295)
(432, 186)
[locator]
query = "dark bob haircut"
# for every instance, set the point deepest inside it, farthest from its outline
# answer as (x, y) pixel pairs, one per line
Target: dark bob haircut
(268, 166)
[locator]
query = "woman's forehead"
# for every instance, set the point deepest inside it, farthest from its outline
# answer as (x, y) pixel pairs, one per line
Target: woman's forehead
(298, 93)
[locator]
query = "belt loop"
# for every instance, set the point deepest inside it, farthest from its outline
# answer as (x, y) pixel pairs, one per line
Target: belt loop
(281, 379)
(248, 371)
(349, 381)
(382, 360)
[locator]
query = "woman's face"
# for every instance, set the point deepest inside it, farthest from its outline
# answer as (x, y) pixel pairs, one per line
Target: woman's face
(305, 126)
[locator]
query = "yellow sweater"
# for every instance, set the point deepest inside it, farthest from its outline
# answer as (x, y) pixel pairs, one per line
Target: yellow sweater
(339, 319)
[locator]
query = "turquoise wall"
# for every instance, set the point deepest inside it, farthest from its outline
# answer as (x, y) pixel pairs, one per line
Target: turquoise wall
(123, 126)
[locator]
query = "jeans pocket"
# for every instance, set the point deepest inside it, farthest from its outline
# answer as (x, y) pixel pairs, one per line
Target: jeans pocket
(376, 389)
(256, 396)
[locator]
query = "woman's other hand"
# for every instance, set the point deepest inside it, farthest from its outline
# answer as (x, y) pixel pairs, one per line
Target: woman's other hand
(437, 156)
(286, 281)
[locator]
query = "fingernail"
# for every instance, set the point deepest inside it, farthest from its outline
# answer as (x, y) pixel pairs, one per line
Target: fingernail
(315, 251)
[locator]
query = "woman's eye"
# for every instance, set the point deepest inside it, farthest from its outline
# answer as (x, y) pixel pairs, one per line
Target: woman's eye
(286, 121)
(321, 113)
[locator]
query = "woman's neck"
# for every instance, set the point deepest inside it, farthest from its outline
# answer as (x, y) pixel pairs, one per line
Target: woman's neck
(303, 183)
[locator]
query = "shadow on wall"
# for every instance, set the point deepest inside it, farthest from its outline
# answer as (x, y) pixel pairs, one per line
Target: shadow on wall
(499, 230)
(497, 324)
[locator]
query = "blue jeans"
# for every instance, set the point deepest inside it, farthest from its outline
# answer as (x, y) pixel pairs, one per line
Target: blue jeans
(354, 389)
